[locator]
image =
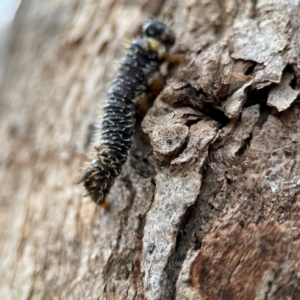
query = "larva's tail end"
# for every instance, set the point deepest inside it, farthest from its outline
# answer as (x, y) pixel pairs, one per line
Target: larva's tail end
(104, 204)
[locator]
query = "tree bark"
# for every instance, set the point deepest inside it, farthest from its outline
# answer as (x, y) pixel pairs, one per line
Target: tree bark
(207, 205)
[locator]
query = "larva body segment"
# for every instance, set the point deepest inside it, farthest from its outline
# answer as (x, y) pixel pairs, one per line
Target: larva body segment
(141, 62)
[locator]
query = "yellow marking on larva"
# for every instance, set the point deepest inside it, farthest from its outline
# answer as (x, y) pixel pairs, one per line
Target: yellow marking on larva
(155, 45)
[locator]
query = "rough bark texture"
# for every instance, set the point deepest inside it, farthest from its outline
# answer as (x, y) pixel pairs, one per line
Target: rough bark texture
(207, 205)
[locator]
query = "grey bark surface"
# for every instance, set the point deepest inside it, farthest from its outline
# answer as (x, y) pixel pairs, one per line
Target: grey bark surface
(207, 205)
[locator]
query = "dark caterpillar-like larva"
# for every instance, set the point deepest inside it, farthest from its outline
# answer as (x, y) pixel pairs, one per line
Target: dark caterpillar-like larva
(131, 83)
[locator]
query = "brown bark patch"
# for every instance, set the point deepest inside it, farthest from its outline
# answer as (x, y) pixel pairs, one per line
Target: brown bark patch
(246, 262)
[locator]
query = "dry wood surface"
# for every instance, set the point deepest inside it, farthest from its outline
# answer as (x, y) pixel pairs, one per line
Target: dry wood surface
(207, 205)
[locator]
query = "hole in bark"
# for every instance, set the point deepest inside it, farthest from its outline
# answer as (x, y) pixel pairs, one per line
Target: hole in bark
(216, 115)
(153, 182)
(210, 206)
(198, 244)
(229, 181)
(150, 248)
(270, 283)
(265, 111)
(293, 83)
(257, 96)
(250, 70)
(242, 223)
(245, 146)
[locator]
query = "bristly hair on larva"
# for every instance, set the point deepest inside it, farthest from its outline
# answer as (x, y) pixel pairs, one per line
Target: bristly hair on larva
(131, 83)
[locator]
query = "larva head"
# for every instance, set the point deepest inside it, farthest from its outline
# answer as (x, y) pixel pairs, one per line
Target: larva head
(160, 32)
